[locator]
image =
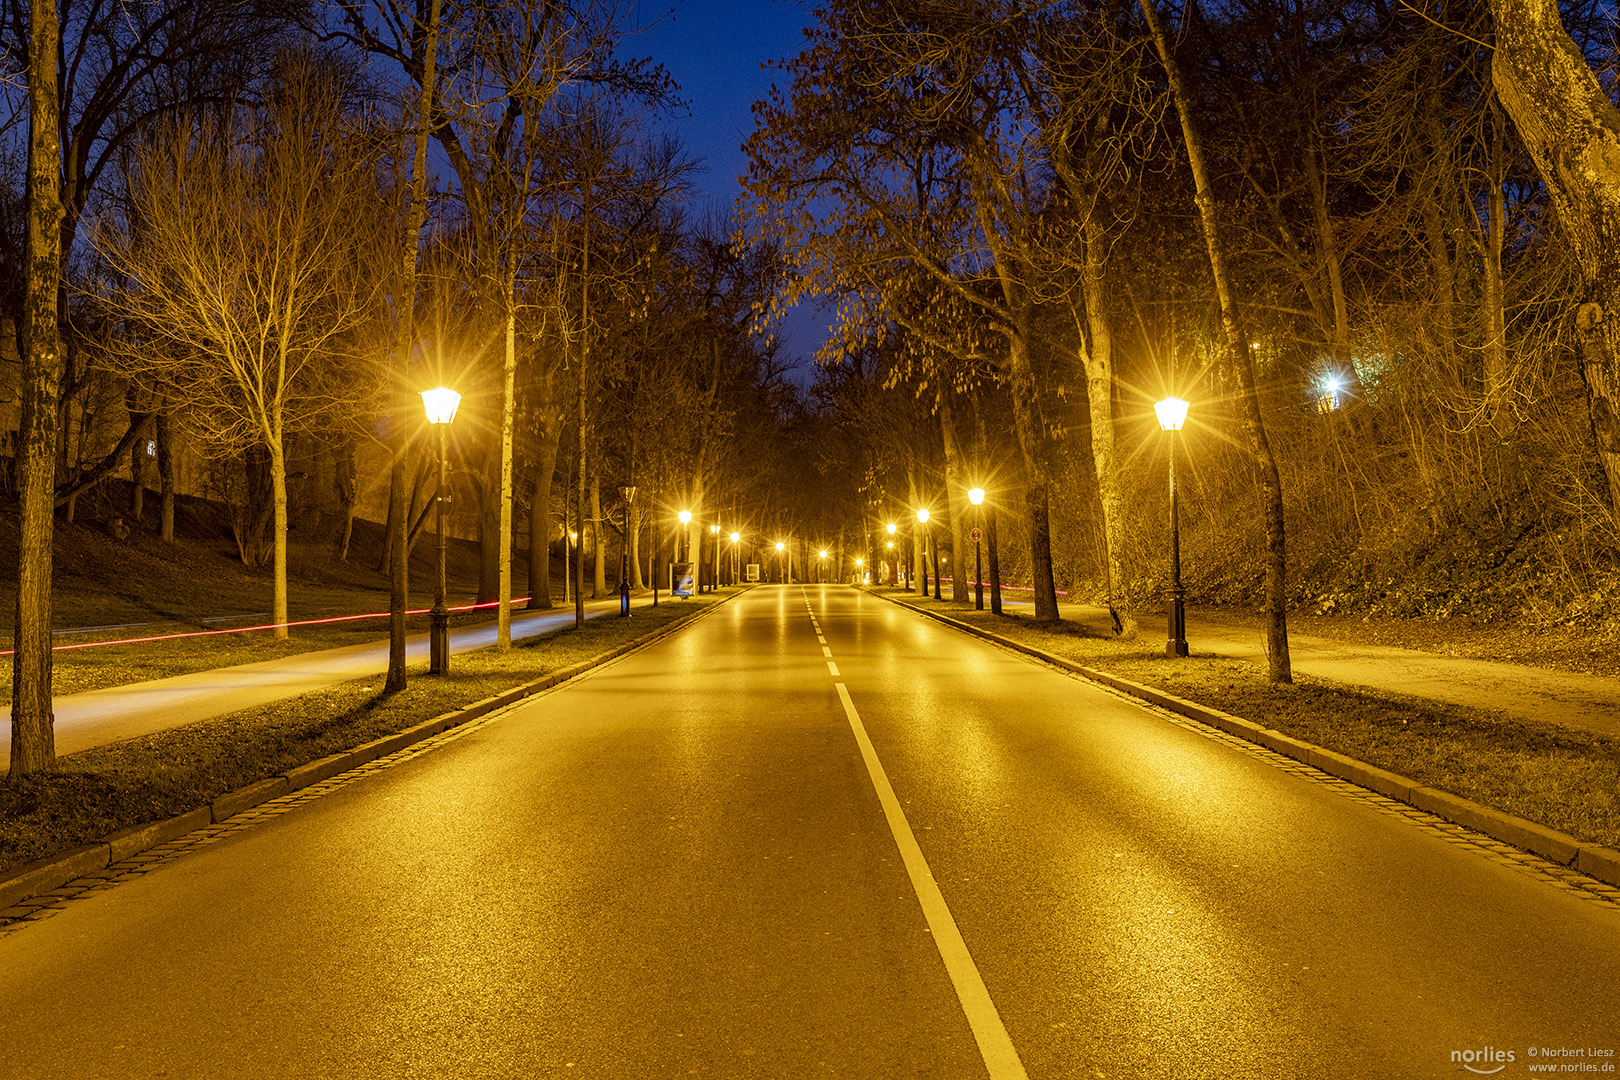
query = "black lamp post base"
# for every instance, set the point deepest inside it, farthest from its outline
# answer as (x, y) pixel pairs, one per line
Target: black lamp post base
(438, 640)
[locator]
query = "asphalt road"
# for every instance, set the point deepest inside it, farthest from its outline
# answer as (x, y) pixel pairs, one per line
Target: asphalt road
(747, 852)
(98, 717)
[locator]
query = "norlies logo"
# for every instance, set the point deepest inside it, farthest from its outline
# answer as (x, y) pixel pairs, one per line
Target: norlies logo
(1489, 1056)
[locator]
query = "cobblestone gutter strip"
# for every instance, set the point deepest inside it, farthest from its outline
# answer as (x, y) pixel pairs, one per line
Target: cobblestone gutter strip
(1565, 850)
(39, 880)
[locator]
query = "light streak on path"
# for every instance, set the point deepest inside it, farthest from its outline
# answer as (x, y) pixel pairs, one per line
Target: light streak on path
(98, 717)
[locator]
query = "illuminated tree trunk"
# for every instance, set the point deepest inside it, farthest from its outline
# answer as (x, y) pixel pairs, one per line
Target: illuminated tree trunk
(1097, 353)
(1279, 667)
(33, 737)
(955, 498)
(1572, 131)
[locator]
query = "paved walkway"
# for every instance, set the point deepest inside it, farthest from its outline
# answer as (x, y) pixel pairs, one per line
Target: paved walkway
(98, 717)
(1588, 702)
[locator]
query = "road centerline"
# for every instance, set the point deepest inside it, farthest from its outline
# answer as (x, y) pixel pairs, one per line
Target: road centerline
(995, 1045)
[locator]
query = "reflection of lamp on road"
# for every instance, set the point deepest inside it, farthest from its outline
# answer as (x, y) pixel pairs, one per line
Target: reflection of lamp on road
(976, 497)
(629, 494)
(1172, 414)
(440, 403)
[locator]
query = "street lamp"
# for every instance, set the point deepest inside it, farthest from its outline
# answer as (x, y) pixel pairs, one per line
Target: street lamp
(821, 568)
(629, 494)
(714, 559)
(686, 521)
(892, 529)
(734, 538)
(922, 519)
(440, 404)
(780, 577)
(859, 577)
(1172, 414)
(976, 497)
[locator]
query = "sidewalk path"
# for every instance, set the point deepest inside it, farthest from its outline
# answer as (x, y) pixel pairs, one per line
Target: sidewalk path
(1586, 702)
(98, 717)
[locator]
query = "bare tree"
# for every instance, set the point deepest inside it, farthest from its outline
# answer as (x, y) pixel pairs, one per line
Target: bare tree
(235, 274)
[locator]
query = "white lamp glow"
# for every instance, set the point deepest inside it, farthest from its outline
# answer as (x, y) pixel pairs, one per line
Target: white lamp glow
(440, 403)
(1172, 413)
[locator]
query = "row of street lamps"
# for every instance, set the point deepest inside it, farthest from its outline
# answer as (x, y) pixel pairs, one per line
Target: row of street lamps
(441, 403)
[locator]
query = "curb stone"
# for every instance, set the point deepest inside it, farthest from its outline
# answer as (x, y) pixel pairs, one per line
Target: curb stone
(52, 872)
(1591, 859)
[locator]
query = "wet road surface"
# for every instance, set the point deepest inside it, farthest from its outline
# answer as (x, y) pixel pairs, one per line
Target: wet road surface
(817, 835)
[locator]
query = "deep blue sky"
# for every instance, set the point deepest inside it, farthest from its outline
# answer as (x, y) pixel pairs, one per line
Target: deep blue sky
(714, 49)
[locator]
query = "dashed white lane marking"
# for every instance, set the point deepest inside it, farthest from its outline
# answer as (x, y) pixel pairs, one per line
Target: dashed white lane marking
(832, 667)
(995, 1046)
(826, 651)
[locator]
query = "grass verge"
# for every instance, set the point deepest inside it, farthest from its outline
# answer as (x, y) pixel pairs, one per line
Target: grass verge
(1563, 779)
(97, 792)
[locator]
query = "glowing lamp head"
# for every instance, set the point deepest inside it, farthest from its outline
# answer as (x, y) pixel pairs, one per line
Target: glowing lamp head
(714, 529)
(922, 517)
(892, 528)
(860, 562)
(440, 403)
(976, 496)
(736, 537)
(780, 546)
(1172, 413)
(686, 517)
(1333, 384)
(823, 554)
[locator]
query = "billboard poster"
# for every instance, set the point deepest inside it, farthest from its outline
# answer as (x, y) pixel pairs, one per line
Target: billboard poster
(751, 571)
(680, 579)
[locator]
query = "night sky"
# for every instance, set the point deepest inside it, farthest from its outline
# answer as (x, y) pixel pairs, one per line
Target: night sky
(714, 49)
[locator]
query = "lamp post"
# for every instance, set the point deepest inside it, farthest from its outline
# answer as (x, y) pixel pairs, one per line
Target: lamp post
(821, 568)
(892, 529)
(714, 559)
(780, 577)
(629, 494)
(440, 404)
(734, 538)
(1172, 414)
(976, 497)
(922, 519)
(858, 576)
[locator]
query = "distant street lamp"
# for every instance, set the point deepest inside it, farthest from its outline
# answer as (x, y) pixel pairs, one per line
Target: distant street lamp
(686, 533)
(821, 567)
(629, 494)
(734, 538)
(1172, 414)
(859, 577)
(780, 576)
(976, 497)
(440, 404)
(892, 529)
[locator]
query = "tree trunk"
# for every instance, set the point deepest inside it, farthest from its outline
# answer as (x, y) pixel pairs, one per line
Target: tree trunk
(165, 463)
(344, 490)
(956, 503)
(1027, 425)
(1279, 669)
(33, 739)
(598, 541)
(545, 469)
(1097, 353)
(1572, 131)
(278, 532)
(503, 621)
(137, 480)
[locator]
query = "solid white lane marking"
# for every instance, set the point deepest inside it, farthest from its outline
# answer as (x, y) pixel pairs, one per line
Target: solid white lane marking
(825, 651)
(832, 667)
(995, 1046)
